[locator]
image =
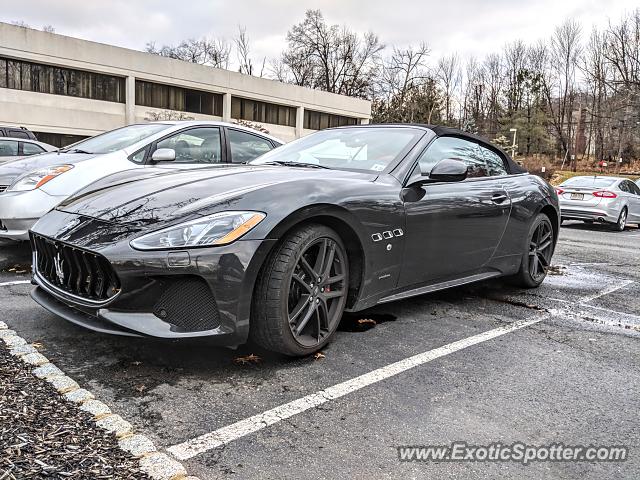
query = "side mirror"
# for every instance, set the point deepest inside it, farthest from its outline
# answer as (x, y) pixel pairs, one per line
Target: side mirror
(448, 170)
(164, 155)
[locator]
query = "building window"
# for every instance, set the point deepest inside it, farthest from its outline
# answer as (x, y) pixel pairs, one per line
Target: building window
(320, 120)
(262, 112)
(168, 97)
(36, 77)
(58, 139)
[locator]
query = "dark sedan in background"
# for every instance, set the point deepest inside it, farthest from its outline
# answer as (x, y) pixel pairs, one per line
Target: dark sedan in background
(276, 250)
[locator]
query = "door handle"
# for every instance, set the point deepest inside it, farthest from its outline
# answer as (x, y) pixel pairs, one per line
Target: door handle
(498, 197)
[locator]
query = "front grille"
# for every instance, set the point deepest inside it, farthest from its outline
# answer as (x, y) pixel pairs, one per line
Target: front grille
(3, 188)
(75, 271)
(187, 303)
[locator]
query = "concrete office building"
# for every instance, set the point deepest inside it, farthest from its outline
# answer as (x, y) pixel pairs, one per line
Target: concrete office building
(64, 88)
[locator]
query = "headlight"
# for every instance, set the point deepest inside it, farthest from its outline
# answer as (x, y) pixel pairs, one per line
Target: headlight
(37, 178)
(217, 229)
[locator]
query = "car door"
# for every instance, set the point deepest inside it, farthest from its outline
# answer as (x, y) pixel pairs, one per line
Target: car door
(196, 146)
(245, 146)
(634, 201)
(453, 228)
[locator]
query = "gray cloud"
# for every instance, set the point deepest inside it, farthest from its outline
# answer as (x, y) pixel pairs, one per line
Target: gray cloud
(466, 26)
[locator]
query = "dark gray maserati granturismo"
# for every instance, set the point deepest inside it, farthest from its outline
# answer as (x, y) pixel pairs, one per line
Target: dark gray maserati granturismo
(276, 250)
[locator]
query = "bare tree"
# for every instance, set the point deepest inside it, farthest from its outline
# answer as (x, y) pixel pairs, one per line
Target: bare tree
(330, 57)
(560, 85)
(206, 51)
(243, 53)
(449, 76)
(405, 92)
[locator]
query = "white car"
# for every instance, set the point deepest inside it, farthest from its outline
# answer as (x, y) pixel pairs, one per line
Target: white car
(611, 200)
(33, 186)
(18, 148)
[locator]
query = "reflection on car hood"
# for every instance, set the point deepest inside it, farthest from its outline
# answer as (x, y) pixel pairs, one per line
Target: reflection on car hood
(151, 195)
(9, 171)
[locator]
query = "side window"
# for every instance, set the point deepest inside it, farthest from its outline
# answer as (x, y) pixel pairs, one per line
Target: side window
(624, 187)
(31, 149)
(634, 188)
(458, 149)
(198, 145)
(138, 157)
(245, 146)
(495, 164)
(8, 148)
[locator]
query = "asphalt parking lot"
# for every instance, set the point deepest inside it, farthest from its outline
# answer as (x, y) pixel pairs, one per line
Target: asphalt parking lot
(569, 375)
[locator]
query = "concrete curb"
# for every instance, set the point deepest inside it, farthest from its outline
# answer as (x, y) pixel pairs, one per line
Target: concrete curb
(157, 465)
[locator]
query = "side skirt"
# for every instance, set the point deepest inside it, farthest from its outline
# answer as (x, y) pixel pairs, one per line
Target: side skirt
(439, 286)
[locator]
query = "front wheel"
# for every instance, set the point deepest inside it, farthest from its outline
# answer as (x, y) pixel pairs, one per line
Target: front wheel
(301, 292)
(620, 225)
(537, 255)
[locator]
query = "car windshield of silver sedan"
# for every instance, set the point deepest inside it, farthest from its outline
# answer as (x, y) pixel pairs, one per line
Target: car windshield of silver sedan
(367, 148)
(116, 139)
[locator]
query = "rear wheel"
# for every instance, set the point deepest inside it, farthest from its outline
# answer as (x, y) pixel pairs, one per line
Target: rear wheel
(537, 255)
(622, 221)
(301, 293)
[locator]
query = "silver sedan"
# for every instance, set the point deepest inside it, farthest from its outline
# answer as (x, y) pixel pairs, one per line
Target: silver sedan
(611, 200)
(31, 187)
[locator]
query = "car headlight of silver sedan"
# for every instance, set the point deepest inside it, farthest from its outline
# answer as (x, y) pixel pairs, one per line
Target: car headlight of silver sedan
(37, 178)
(213, 230)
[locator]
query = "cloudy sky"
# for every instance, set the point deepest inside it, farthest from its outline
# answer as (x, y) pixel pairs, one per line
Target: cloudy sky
(469, 27)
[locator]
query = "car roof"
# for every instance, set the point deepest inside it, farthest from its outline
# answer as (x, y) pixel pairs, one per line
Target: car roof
(189, 123)
(30, 140)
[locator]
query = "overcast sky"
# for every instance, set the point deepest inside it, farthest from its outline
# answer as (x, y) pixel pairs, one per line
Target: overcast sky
(469, 27)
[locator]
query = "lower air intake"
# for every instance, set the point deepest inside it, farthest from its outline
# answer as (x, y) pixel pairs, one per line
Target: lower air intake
(188, 304)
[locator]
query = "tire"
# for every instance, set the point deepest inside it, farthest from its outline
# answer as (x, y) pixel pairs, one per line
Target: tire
(292, 312)
(537, 254)
(620, 225)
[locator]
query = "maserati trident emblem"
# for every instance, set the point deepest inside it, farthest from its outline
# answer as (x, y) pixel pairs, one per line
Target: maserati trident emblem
(57, 263)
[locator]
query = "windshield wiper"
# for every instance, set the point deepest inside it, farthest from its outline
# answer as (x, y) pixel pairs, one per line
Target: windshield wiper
(295, 164)
(75, 150)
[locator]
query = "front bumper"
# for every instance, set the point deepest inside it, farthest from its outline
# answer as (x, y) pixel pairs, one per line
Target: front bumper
(163, 294)
(19, 211)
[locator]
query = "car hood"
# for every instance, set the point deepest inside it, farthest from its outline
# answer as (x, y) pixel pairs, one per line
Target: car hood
(9, 171)
(148, 196)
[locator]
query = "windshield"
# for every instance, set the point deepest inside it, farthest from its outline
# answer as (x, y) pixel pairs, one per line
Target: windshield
(368, 148)
(117, 139)
(589, 182)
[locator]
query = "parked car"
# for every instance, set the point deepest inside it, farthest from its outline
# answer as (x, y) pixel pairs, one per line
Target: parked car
(611, 200)
(33, 186)
(17, 132)
(276, 250)
(18, 148)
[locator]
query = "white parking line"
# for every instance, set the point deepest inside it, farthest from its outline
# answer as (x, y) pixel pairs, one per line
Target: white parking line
(606, 291)
(224, 435)
(17, 282)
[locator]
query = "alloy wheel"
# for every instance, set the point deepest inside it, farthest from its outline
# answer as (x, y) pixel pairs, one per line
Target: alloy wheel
(317, 292)
(540, 249)
(622, 220)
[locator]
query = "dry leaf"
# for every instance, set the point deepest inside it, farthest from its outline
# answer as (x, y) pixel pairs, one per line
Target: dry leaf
(244, 360)
(367, 321)
(319, 355)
